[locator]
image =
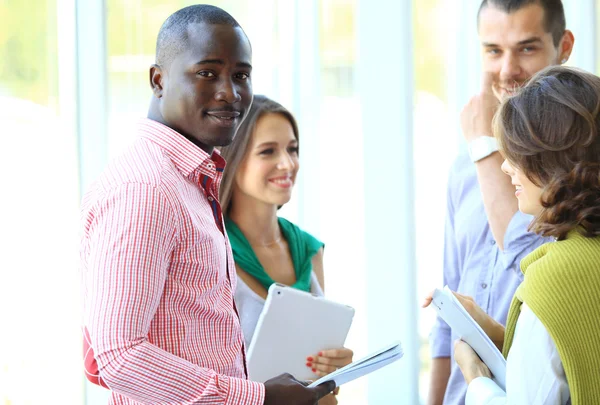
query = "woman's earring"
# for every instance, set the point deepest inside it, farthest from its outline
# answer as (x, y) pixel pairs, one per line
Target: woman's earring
(564, 60)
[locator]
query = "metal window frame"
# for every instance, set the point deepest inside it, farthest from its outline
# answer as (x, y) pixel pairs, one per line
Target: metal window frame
(385, 52)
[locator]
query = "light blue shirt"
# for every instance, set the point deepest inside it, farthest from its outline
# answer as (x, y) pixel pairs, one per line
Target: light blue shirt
(473, 263)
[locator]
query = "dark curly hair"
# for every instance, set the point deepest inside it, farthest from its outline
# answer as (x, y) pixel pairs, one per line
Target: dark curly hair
(550, 131)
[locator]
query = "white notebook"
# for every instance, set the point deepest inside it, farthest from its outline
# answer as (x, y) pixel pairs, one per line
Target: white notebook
(364, 366)
(456, 316)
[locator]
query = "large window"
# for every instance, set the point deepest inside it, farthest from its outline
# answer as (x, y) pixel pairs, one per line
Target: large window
(39, 301)
(435, 146)
(340, 174)
(306, 55)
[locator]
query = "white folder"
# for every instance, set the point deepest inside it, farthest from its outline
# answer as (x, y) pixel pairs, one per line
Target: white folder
(364, 366)
(456, 316)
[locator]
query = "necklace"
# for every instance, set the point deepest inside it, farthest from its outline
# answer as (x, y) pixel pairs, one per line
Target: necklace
(268, 244)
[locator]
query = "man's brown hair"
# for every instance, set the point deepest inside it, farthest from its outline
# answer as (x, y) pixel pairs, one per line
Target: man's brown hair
(554, 13)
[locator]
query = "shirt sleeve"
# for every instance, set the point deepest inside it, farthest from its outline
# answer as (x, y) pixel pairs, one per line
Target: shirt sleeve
(484, 391)
(534, 371)
(131, 233)
(518, 242)
(440, 339)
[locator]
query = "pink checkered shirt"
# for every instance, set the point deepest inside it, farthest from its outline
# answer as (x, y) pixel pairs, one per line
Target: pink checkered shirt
(160, 323)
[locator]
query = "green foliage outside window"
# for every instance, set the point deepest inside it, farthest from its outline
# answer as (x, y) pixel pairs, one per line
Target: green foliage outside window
(28, 47)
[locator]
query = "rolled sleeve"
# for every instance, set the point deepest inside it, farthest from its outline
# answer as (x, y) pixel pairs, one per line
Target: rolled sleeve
(518, 241)
(484, 391)
(440, 339)
(243, 392)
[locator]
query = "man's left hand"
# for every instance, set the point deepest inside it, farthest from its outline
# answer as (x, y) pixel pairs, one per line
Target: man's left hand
(328, 400)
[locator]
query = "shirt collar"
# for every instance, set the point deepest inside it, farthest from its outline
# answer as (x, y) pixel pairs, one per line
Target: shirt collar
(187, 157)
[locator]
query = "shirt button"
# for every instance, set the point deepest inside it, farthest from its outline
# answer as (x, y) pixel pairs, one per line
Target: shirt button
(493, 242)
(484, 286)
(210, 199)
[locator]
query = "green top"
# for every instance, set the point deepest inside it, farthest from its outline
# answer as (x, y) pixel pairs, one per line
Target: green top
(562, 286)
(302, 245)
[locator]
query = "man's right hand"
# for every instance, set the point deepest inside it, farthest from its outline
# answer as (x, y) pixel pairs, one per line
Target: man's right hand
(285, 389)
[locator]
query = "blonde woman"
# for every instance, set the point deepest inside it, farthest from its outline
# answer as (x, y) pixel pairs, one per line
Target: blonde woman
(262, 165)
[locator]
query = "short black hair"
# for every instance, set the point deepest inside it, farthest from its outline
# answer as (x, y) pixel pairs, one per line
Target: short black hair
(173, 35)
(554, 13)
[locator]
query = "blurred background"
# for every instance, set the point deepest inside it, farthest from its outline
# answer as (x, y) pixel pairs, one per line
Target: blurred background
(377, 87)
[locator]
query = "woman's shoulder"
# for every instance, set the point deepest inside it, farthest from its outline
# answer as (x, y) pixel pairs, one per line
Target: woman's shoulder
(575, 251)
(563, 263)
(559, 283)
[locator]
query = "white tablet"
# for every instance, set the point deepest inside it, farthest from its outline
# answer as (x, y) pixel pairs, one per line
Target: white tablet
(292, 326)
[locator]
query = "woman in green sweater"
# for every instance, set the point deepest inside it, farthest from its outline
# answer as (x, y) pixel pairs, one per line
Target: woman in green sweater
(262, 164)
(549, 134)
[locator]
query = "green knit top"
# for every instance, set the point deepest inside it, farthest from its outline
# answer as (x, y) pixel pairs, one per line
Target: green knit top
(562, 288)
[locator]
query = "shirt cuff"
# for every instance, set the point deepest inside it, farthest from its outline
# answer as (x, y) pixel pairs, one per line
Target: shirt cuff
(484, 391)
(243, 392)
(440, 341)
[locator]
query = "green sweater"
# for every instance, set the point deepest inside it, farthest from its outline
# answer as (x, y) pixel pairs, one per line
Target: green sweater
(562, 288)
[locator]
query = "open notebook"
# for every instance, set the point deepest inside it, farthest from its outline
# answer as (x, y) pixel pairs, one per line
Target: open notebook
(456, 316)
(364, 366)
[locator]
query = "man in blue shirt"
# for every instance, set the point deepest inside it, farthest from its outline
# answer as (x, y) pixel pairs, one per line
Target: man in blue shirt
(486, 236)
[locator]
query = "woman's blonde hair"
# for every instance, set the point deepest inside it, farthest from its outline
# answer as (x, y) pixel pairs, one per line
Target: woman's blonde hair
(236, 151)
(550, 131)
